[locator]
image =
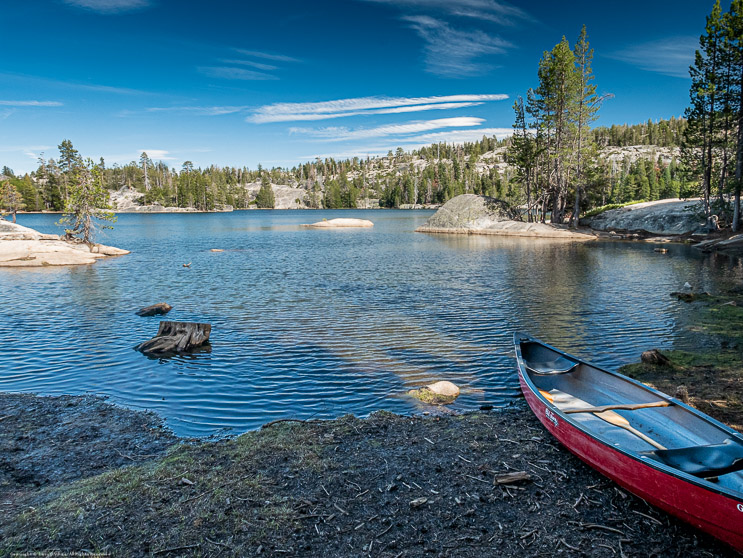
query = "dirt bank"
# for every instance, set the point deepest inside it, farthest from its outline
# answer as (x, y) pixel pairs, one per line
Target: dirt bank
(386, 486)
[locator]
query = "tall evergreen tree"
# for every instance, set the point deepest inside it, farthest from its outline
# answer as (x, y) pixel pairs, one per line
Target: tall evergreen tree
(588, 104)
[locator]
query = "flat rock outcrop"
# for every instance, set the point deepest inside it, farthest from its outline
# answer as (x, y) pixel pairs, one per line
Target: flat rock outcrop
(663, 217)
(341, 223)
(472, 214)
(733, 246)
(24, 247)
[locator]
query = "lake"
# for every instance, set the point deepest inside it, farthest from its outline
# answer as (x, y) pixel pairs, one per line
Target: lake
(313, 323)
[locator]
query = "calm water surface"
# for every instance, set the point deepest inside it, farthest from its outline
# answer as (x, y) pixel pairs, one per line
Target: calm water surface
(319, 323)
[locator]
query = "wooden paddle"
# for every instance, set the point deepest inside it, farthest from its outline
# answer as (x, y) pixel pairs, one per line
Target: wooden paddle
(609, 416)
(620, 406)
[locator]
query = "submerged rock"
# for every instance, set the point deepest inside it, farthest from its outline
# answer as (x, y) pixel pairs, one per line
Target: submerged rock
(438, 393)
(471, 214)
(159, 309)
(341, 223)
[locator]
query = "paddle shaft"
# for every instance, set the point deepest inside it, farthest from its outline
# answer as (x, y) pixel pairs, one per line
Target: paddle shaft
(612, 418)
(618, 420)
(620, 406)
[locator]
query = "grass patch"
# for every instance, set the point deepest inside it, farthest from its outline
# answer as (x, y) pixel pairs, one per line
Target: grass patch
(712, 379)
(712, 376)
(608, 207)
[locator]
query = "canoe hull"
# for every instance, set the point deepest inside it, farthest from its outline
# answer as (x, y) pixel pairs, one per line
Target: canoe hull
(714, 513)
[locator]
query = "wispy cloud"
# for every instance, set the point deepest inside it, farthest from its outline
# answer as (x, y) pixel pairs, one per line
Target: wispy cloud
(231, 72)
(153, 154)
(68, 84)
(288, 112)
(489, 10)
(670, 57)
(251, 63)
(30, 103)
(157, 154)
(109, 7)
(346, 134)
(204, 111)
(451, 52)
(266, 55)
(413, 142)
(460, 136)
(30, 151)
(234, 69)
(22, 148)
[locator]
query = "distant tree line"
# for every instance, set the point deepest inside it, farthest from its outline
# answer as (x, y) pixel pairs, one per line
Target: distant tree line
(430, 175)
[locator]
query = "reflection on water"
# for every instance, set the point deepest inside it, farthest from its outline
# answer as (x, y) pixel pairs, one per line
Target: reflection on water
(318, 323)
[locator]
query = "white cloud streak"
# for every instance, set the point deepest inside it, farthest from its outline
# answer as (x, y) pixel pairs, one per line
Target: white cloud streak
(109, 7)
(266, 55)
(30, 103)
(202, 111)
(669, 57)
(157, 154)
(252, 64)
(415, 142)
(451, 52)
(288, 112)
(230, 72)
(489, 10)
(345, 134)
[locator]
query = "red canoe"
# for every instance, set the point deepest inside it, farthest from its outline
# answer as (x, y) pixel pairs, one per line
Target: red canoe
(655, 446)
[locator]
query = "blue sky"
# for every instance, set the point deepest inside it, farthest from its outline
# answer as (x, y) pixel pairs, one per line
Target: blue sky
(281, 82)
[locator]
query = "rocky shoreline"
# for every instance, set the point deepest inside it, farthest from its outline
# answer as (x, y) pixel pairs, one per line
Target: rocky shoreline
(25, 247)
(79, 475)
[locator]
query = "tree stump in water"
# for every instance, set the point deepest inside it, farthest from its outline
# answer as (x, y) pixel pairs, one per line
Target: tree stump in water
(176, 337)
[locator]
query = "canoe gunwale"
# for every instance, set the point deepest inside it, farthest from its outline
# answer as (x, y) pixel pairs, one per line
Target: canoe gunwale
(636, 456)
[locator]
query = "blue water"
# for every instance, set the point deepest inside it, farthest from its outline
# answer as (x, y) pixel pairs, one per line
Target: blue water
(320, 323)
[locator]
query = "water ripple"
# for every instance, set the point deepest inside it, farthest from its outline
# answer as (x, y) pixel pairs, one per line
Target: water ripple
(309, 323)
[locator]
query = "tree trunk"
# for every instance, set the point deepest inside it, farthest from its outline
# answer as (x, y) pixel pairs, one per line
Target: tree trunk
(738, 161)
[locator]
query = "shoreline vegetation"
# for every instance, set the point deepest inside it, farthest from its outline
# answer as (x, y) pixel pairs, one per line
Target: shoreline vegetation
(465, 485)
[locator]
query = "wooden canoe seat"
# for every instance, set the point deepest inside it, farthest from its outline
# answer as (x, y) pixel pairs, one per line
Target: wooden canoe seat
(703, 461)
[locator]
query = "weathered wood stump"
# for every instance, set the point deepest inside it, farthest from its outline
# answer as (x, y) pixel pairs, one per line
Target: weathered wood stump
(654, 356)
(159, 309)
(176, 337)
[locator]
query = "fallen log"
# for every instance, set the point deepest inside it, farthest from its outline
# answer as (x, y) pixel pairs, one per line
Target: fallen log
(176, 337)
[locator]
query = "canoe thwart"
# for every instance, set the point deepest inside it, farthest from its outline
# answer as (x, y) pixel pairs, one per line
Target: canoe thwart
(703, 461)
(620, 406)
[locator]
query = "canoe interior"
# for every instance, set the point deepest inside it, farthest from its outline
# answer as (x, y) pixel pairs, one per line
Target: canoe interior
(673, 427)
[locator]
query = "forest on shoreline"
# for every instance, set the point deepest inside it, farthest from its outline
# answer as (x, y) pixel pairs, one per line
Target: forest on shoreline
(556, 163)
(431, 175)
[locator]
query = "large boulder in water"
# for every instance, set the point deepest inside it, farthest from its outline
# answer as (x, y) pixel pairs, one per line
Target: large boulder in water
(472, 214)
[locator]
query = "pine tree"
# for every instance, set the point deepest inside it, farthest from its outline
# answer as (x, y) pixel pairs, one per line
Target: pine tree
(10, 199)
(588, 104)
(87, 203)
(265, 198)
(522, 152)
